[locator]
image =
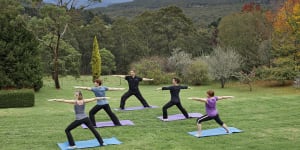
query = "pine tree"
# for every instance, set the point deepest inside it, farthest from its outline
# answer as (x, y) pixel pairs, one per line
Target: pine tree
(96, 60)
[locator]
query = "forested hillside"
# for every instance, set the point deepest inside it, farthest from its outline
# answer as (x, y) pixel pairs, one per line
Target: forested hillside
(200, 11)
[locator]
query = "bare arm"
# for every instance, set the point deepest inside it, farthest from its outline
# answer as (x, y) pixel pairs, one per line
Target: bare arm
(198, 99)
(115, 89)
(147, 79)
(224, 97)
(83, 88)
(121, 76)
(96, 98)
(63, 100)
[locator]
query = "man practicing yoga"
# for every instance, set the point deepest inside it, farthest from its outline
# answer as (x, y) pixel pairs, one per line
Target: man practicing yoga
(175, 100)
(81, 117)
(99, 91)
(133, 83)
(211, 110)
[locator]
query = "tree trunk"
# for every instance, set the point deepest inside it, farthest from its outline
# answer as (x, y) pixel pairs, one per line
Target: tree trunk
(55, 72)
(222, 82)
(250, 86)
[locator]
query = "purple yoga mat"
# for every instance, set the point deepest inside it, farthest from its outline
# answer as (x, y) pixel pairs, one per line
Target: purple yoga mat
(135, 108)
(180, 116)
(110, 124)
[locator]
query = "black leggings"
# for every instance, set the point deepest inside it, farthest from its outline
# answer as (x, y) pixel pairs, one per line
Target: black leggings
(77, 123)
(107, 109)
(137, 94)
(170, 104)
(206, 118)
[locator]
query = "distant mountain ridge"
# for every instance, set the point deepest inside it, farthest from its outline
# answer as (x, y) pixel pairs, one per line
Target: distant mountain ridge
(104, 3)
(200, 11)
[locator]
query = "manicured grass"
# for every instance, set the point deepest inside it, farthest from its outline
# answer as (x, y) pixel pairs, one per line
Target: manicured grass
(269, 117)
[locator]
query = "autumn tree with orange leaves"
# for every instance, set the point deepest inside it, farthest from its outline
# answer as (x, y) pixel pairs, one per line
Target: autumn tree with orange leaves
(285, 62)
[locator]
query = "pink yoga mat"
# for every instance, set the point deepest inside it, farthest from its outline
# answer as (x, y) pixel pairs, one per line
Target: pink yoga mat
(181, 116)
(135, 108)
(110, 124)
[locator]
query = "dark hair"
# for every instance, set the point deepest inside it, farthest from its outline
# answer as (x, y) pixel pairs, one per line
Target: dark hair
(80, 97)
(211, 93)
(177, 80)
(98, 81)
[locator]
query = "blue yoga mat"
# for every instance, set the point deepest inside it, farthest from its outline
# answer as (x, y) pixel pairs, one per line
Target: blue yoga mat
(89, 143)
(215, 131)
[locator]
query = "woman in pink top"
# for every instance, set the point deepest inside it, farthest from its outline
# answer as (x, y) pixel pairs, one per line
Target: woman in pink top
(211, 110)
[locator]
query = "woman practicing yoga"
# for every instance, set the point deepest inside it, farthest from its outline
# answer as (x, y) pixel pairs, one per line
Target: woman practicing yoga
(99, 91)
(211, 110)
(81, 117)
(175, 100)
(133, 83)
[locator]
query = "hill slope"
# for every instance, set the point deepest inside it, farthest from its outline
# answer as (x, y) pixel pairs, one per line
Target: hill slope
(200, 11)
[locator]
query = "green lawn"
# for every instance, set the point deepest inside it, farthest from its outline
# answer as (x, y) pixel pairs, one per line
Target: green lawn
(269, 117)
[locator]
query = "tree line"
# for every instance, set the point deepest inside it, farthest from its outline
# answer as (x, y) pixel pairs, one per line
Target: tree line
(59, 40)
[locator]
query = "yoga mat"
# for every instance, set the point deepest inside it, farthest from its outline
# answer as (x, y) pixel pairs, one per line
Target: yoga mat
(89, 143)
(180, 116)
(215, 131)
(135, 108)
(110, 124)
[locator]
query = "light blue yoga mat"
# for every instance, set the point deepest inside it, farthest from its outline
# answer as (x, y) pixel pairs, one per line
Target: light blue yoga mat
(215, 131)
(89, 143)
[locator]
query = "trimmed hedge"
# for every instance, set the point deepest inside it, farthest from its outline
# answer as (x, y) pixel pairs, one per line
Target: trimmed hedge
(16, 98)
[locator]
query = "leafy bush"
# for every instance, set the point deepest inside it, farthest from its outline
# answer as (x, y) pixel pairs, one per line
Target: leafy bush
(196, 73)
(16, 98)
(179, 61)
(153, 67)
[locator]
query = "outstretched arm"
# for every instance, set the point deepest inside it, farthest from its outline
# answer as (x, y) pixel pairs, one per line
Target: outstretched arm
(198, 99)
(224, 97)
(96, 98)
(62, 100)
(115, 89)
(83, 88)
(121, 76)
(147, 79)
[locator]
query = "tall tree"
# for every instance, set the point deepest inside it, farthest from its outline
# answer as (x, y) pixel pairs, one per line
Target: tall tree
(20, 57)
(245, 32)
(169, 28)
(126, 44)
(96, 60)
(286, 43)
(53, 20)
(108, 63)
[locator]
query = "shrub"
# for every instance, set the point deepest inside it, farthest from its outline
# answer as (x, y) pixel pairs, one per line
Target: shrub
(196, 73)
(178, 61)
(16, 98)
(152, 67)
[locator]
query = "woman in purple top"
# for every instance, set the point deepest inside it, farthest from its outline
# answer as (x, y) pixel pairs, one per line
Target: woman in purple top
(211, 110)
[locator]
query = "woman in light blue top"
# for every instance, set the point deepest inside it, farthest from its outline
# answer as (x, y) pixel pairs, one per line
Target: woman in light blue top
(99, 91)
(80, 117)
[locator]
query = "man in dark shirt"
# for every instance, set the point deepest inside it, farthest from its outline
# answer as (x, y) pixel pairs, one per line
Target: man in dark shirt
(175, 100)
(133, 83)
